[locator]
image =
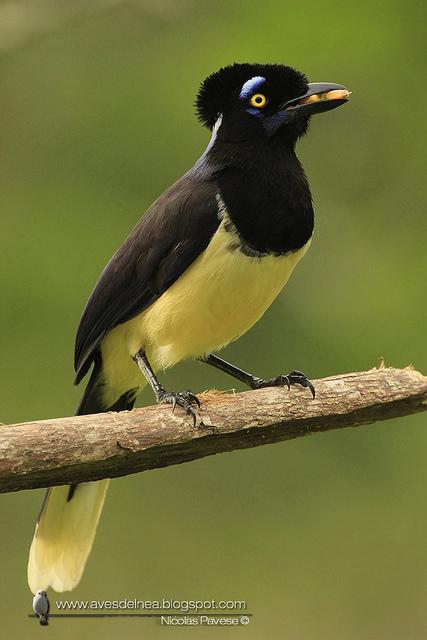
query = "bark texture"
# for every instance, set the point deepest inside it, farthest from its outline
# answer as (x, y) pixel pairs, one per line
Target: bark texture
(82, 448)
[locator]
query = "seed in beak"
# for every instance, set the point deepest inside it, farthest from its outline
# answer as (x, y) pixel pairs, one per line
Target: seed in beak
(336, 94)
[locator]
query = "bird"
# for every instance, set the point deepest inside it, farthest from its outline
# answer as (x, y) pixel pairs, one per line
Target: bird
(41, 607)
(198, 270)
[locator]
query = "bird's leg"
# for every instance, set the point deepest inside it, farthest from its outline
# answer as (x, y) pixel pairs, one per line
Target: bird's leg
(294, 377)
(184, 399)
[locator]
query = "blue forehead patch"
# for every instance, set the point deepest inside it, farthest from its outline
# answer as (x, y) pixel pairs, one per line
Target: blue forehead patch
(250, 86)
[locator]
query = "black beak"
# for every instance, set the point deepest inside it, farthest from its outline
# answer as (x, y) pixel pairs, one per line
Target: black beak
(320, 96)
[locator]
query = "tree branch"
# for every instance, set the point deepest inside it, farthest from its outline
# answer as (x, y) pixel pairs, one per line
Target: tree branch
(105, 445)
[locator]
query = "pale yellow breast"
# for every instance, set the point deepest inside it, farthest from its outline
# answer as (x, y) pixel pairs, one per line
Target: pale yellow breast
(218, 298)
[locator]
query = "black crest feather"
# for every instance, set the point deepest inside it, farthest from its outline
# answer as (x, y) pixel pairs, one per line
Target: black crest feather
(221, 88)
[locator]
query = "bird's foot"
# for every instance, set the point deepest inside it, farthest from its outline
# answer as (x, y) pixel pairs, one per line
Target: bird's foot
(184, 399)
(294, 377)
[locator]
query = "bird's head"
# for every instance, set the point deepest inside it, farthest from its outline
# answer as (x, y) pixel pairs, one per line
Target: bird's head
(41, 593)
(261, 102)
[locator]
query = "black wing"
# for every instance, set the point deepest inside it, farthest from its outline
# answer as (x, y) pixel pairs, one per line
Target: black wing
(167, 239)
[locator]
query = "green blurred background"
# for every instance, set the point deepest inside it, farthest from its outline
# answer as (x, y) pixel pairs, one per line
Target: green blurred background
(325, 537)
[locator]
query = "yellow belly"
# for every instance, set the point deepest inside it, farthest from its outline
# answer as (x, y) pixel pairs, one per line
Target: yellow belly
(217, 299)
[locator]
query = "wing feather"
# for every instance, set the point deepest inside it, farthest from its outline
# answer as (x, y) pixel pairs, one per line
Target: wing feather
(166, 240)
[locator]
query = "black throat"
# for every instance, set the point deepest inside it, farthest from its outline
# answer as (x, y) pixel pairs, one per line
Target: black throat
(266, 195)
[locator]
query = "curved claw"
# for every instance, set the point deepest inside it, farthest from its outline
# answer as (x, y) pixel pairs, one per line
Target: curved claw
(190, 411)
(279, 381)
(312, 389)
(298, 377)
(183, 399)
(294, 377)
(192, 397)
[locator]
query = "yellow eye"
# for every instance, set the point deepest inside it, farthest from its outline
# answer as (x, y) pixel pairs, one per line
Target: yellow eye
(258, 100)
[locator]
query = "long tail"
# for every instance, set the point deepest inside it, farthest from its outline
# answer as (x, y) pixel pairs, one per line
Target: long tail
(69, 515)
